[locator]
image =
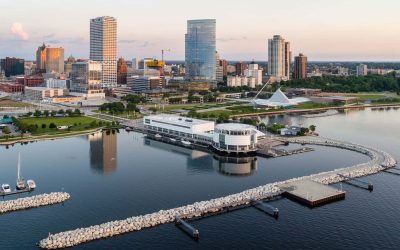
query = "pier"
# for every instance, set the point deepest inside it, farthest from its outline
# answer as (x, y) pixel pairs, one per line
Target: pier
(311, 193)
(266, 208)
(15, 192)
(394, 171)
(186, 227)
(357, 183)
(280, 152)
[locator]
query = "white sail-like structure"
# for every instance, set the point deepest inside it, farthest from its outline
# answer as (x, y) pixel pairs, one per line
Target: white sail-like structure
(279, 99)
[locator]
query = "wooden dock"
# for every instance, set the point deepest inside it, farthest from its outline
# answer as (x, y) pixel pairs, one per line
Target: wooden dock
(311, 193)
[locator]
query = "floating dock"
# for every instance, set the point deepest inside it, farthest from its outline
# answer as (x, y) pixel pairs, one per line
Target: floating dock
(311, 193)
(26, 190)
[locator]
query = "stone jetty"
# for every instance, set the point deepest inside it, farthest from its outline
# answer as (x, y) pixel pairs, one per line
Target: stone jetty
(33, 201)
(379, 161)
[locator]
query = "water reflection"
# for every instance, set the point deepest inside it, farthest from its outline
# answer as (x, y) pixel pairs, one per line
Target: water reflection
(235, 166)
(200, 161)
(103, 151)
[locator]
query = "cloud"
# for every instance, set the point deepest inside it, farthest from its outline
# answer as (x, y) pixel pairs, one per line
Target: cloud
(223, 39)
(127, 41)
(18, 31)
(145, 44)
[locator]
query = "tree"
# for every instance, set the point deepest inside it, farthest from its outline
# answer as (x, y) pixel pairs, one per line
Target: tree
(68, 112)
(44, 126)
(52, 125)
(53, 113)
(37, 113)
(77, 112)
(312, 128)
(6, 130)
(61, 112)
(6, 117)
(29, 114)
(132, 107)
(46, 113)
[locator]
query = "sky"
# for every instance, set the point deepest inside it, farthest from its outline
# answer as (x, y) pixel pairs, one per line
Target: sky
(324, 30)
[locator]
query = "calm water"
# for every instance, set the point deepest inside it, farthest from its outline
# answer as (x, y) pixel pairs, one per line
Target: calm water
(119, 175)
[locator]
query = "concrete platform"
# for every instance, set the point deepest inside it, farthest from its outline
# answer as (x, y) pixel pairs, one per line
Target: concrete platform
(311, 193)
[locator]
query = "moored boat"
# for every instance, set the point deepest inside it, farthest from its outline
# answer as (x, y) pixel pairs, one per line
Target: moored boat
(20, 182)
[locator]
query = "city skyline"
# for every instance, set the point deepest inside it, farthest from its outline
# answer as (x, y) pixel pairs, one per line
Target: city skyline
(314, 28)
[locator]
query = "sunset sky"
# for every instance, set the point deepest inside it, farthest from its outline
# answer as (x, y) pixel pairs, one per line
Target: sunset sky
(322, 29)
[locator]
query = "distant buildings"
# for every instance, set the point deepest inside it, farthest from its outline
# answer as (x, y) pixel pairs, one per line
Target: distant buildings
(240, 81)
(103, 48)
(279, 58)
(300, 67)
(12, 66)
(200, 47)
(219, 71)
(240, 68)
(122, 71)
(144, 83)
(362, 70)
(254, 71)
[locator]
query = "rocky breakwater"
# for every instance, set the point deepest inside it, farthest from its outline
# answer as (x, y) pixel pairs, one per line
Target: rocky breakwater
(379, 161)
(32, 202)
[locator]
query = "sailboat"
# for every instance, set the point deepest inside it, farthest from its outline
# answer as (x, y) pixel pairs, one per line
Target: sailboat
(20, 183)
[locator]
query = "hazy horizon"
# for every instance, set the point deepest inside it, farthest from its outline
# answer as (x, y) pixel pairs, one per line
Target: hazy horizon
(329, 30)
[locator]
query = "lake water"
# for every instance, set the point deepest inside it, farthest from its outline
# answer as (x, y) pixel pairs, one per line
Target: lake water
(115, 176)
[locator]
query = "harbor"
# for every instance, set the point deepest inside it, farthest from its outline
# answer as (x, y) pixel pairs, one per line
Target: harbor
(308, 189)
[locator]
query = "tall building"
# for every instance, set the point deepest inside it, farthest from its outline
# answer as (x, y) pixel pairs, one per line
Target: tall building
(41, 59)
(12, 66)
(240, 68)
(68, 65)
(103, 47)
(300, 67)
(200, 47)
(362, 70)
(54, 60)
(279, 58)
(122, 71)
(224, 64)
(219, 71)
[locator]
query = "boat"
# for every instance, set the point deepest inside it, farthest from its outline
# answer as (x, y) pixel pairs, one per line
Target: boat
(158, 136)
(128, 129)
(20, 182)
(31, 184)
(186, 143)
(172, 139)
(6, 188)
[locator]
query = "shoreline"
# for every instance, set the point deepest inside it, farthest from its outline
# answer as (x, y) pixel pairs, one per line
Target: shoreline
(299, 111)
(48, 137)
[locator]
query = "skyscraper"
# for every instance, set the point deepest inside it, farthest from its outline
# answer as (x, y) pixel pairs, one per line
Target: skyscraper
(200, 47)
(279, 58)
(300, 67)
(12, 66)
(41, 59)
(240, 68)
(54, 60)
(103, 47)
(122, 71)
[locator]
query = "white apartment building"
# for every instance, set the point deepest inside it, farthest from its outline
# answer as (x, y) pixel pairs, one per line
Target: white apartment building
(103, 48)
(254, 71)
(362, 70)
(238, 81)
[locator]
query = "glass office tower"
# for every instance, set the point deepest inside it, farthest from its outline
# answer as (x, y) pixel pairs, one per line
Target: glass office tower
(200, 47)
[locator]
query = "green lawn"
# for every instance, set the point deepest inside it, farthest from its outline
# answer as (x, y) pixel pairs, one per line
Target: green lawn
(14, 104)
(312, 105)
(364, 97)
(78, 123)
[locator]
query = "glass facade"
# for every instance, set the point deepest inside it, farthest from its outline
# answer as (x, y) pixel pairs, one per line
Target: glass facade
(200, 47)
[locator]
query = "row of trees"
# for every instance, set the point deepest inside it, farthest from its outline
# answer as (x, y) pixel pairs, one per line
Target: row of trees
(118, 107)
(349, 84)
(47, 113)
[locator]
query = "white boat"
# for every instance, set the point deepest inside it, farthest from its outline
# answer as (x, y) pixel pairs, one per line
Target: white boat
(186, 143)
(172, 139)
(20, 182)
(6, 188)
(158, 136)
(31, 184)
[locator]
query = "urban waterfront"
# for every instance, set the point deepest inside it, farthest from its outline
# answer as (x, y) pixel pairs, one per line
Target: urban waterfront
(117, 175)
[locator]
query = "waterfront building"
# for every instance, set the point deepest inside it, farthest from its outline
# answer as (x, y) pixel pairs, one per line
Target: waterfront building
(122, 71)
(239, 81)
(12, 66)
(236, 138)
(54, 60)
(279, 58)
(240, 68)
(362, 70)
(200, 47)
(255, 72)
(103, 48)
(300, 67)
